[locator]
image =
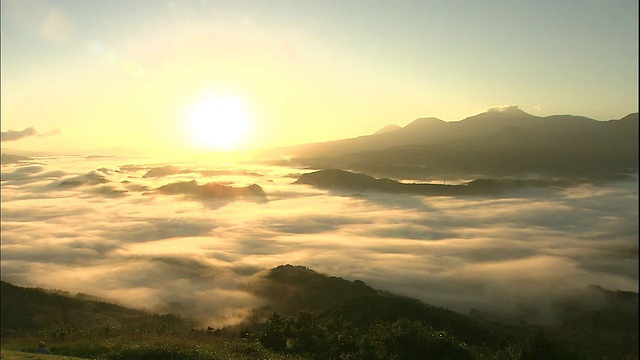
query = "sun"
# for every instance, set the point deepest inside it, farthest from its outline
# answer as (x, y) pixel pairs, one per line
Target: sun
(218, 122)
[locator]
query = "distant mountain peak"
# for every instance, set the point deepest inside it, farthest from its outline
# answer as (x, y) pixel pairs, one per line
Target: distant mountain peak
(422, 122)
(502, 113)
(508, 109)
(388, 128)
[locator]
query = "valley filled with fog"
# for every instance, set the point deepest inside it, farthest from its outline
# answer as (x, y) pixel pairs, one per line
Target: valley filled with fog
(104, 226)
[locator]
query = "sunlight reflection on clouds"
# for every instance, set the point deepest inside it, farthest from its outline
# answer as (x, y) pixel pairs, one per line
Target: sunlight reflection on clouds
(167, 253)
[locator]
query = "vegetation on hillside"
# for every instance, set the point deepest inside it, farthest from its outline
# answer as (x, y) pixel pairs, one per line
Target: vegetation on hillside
(312, 316)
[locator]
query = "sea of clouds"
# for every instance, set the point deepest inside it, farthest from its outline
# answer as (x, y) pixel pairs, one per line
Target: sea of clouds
(97, 225)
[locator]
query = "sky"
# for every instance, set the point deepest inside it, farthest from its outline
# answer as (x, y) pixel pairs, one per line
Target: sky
(113, 75)
(101, 226)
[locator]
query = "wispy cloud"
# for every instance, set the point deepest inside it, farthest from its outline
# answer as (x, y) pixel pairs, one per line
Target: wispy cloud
(13, 135)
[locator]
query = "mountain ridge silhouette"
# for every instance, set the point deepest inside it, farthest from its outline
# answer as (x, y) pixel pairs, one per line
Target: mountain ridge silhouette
(505, 142)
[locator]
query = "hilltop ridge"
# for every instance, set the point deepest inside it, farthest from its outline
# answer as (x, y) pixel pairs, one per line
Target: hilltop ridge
(313, 315)
(505, 142)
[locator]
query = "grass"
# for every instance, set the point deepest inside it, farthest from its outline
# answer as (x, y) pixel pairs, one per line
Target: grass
(21, 355)
(197, 346)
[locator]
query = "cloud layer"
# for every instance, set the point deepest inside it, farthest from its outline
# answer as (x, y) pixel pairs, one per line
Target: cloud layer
(94, 225)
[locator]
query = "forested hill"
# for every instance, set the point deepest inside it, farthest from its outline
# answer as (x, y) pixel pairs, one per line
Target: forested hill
(337, 179)
(33, 310)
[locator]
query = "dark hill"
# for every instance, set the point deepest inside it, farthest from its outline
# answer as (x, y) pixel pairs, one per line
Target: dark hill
(342, 304)
(32, 311)
(289, 289)
(388, 128)
(341, 179)
(365, 311)
(12, 159)
(615, 323)
(212, 190)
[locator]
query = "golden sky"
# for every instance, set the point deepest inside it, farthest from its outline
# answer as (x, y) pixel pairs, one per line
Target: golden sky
(100, 75)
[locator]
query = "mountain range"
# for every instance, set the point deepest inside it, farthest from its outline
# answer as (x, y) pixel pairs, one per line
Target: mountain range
(498, 143)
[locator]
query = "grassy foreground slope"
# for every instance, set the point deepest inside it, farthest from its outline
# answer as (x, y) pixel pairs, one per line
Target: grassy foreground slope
(21, 355)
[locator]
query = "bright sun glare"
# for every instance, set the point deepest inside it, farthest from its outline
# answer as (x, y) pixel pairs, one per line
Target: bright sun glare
(218, 122)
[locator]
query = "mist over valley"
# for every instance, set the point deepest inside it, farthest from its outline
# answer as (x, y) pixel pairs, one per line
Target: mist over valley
(188, 238)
